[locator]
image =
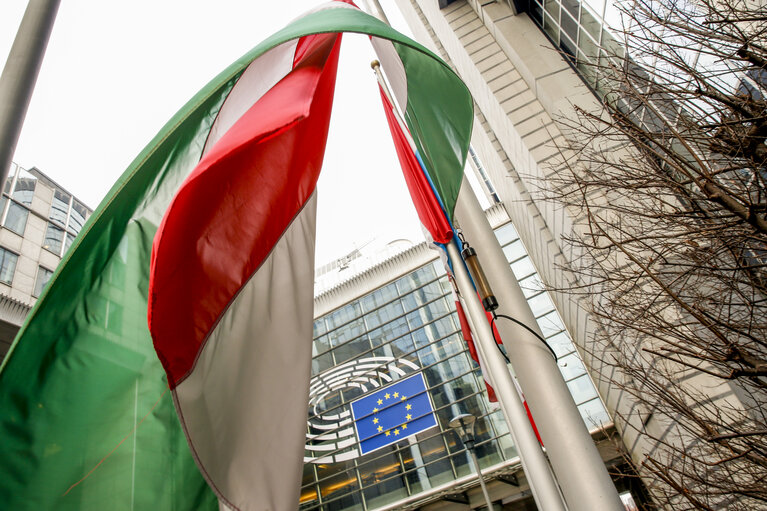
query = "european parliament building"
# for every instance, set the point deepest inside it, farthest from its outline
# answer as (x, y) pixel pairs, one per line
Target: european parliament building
(389, 317)
(526, 65)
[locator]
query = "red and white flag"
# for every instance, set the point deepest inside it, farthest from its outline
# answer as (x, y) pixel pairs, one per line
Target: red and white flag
(232, 261)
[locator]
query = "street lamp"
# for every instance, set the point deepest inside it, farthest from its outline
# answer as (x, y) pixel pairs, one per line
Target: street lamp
(464, 426)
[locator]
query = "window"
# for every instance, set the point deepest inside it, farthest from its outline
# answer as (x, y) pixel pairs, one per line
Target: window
(25, 187)
(43, 276)
(7, 265)
(16, 220)
(54, 237)
(77, 217)
(59, 207)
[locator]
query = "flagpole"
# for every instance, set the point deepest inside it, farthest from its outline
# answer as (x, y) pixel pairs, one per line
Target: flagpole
(576, 462)
(534, 464)
(20, 74)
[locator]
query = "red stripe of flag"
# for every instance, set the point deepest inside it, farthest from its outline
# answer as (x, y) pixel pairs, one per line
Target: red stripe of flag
(237, 203)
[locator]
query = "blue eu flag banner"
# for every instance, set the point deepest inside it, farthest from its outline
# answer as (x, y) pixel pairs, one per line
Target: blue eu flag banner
(393, 413)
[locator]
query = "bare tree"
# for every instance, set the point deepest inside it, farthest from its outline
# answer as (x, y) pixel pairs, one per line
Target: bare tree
(670, 180)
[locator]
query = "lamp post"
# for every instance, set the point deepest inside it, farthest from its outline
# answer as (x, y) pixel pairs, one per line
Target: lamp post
(464, 426)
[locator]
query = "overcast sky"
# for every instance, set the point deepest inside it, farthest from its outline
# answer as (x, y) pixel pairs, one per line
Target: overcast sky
(115, 72)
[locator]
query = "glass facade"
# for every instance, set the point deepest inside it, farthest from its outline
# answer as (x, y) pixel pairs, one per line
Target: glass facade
(578, 29)
(401, 328)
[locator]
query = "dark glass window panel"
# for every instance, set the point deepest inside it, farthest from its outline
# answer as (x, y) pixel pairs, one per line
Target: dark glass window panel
(568, 46)
(330, 402)
(351, 393)
(443, 327)
(569, 27)
(590, 23)
(506, 234)
(427, 314)
(7, 265)
(571, 6)
(321, 363)
(352, 349)
(319, 327)
(427, 463)
(321, 344)
(552, 8)
(423, 295)
(77, 217)
(347, 332)
(416, 279)
(43, 276)
(59, 207)
(379, 297)
(17, 218)
(536, 12)
(442, 350)
(403, 346)
(551, 27)
(309, 494)
(587, 69)
(588, 47)
(343, 315)
(388, 332)
(384, 314)
(54, 237)
(339, 486)
(382, 480)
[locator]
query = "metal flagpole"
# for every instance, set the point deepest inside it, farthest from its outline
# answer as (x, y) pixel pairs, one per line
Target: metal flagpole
(576, 462)
(380, 12)
(540, 478)
(20, 74)
(533, 460)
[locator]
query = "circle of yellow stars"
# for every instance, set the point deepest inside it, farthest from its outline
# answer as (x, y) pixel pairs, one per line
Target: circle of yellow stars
(408, 417)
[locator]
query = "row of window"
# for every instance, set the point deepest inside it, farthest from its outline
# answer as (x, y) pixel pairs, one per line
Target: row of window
(65, 218)
(8, 262)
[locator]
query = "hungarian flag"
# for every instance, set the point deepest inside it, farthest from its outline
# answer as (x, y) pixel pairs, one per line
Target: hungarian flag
(91, 417)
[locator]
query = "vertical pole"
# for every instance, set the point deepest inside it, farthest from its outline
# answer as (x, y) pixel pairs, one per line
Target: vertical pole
(576, 462)
(534, 462)
(380, 12)
(481, 479)
(20, 74)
